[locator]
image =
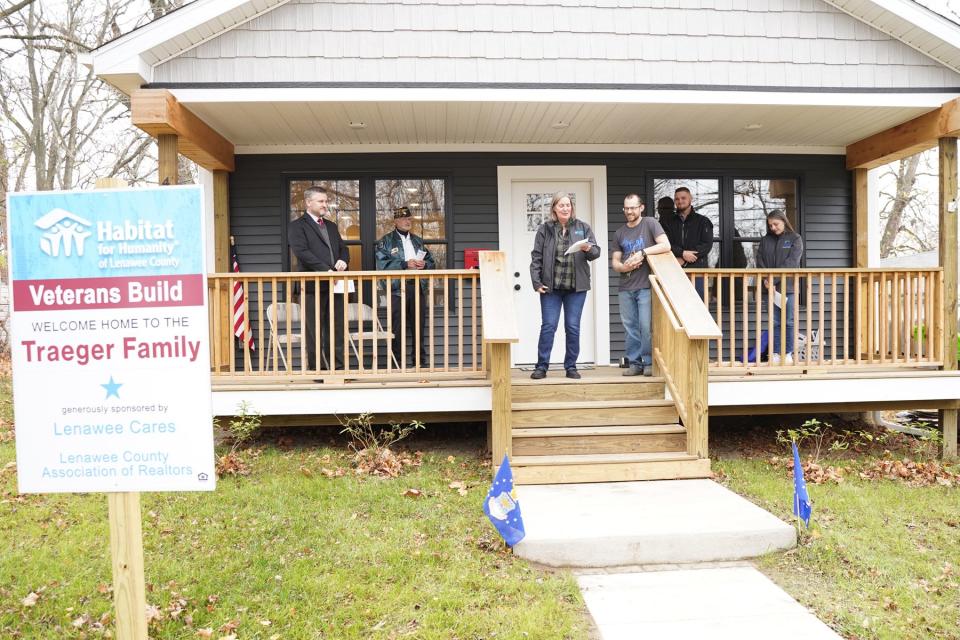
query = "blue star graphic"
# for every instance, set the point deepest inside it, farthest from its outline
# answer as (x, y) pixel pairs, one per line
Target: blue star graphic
(112, 388)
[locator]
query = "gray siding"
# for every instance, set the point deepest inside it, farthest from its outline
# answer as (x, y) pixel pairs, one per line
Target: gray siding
(258, 197)
(766, 43)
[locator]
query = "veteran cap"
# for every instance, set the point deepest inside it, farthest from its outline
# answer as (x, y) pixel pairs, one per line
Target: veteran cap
(402, 212)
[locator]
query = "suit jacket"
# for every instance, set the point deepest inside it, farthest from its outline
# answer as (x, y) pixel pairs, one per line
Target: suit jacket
(313, 252)
(389, 255)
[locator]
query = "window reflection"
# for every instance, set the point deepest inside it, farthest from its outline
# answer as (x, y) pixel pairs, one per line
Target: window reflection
(706, 201)
(753, 199)
(343, 201)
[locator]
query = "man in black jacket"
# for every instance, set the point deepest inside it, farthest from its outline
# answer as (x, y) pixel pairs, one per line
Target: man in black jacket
(318, 246)
(690, 234)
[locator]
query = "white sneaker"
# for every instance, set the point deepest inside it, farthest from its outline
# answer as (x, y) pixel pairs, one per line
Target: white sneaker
(775, 358)
(788, 359)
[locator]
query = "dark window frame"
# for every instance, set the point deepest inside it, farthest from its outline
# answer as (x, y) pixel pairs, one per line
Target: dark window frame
(368, 208)
(726, 178)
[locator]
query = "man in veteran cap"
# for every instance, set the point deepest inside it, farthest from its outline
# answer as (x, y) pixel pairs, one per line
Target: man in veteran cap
(401, 250)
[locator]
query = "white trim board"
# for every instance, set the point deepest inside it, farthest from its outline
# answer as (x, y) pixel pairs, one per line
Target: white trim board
(536, 148)
(346, 401)
(592, 96)
(744, 393)
(596, 175)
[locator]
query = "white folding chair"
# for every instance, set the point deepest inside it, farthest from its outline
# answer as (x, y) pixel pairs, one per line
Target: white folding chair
(279, 338)
(366, 314)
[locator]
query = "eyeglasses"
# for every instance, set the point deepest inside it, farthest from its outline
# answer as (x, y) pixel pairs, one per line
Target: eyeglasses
(637, 208)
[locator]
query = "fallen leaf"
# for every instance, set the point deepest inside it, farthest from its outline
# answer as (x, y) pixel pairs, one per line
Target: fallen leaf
(266, 623)
(412, 493)
(451, 459)
(459, 486)
(153, 613)
(305, 471)
(205, 633)
(31, 599)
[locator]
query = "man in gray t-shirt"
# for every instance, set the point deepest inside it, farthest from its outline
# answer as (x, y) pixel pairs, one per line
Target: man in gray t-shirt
(634, 241)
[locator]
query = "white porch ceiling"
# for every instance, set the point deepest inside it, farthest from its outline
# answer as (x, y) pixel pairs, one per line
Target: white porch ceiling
(311, 126)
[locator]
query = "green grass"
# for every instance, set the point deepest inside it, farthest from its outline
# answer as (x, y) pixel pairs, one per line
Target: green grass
(882, 558)
(287, 552)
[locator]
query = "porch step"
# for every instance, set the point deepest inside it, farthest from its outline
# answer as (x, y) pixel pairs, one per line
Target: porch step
(588, 414)
(648, 389)
(607, 467)
(548, 441)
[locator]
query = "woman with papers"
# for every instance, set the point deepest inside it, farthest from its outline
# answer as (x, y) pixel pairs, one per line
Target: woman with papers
(560, 271)
(782, 247)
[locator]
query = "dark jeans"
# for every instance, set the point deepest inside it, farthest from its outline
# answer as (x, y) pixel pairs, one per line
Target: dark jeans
(776, 325)
(309, 304)
(550, 305)
(396, 319)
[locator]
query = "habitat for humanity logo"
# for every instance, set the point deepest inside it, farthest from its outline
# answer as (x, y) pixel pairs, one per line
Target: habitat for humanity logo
(62, 230)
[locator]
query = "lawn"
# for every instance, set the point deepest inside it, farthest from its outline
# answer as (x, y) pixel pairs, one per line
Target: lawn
(292, 550)
(882, 557)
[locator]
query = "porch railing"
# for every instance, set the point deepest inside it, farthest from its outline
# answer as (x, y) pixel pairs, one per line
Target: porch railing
(370, 318)
(841, 317)
(682, 329)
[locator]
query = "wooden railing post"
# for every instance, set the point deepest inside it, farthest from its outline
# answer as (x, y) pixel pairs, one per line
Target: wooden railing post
(695, 386)
(499, 331)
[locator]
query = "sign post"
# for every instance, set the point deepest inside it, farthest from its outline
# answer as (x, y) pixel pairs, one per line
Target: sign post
(110, 353)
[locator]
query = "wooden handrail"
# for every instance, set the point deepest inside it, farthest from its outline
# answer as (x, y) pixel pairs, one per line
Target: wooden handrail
(499, 319)
(687, 306)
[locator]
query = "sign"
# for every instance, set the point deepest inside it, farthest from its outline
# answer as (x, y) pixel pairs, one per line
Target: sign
(111, 364)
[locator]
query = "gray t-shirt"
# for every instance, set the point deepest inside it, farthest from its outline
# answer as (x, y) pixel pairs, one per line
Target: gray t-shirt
(632, 240)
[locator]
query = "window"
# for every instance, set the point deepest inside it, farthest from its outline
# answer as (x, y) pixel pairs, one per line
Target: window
(343, 205)
(706, 201)
(753, 199)
(736, 204)
(426, 201)
(362, 207)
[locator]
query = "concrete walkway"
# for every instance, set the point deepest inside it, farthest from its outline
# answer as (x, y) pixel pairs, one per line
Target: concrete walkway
(736, 603)
(642, 523)
(633, 545)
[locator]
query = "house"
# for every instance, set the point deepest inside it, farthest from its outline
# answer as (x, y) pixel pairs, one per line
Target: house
(472, 113)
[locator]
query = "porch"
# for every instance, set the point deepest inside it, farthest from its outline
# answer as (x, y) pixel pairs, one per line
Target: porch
(873, 351)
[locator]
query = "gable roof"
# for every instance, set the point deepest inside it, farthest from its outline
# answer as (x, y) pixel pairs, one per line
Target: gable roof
(128, 62)
(911, 23)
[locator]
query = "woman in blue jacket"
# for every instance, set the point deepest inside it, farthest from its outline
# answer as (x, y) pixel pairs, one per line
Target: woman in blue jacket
(562, 280)
(781, 248)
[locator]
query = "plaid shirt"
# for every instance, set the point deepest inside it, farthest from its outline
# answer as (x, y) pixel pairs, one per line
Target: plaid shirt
(563, 275)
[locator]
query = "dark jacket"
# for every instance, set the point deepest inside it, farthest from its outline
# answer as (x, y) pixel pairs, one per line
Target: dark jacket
(544, 254)
(313, 252)
(389, 254)
(780, 252)
(693, 234)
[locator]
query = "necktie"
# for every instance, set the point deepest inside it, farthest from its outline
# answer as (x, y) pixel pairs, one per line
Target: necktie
(320, 221)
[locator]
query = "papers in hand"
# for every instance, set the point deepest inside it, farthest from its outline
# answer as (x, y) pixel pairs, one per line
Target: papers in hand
(421, 254)
(338, 286)
(576, 246)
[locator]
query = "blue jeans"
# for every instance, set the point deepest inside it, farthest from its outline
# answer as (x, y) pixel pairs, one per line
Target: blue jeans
(550, 304)
(776, 326)
(635, 315)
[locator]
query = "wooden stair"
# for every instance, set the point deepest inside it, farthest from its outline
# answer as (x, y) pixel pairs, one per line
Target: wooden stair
(601, 428)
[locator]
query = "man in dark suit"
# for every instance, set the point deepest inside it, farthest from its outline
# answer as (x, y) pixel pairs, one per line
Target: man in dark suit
(318, 246)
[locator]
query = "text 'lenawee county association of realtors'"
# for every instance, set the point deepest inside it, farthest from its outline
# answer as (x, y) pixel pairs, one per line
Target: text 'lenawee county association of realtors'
(109, 340)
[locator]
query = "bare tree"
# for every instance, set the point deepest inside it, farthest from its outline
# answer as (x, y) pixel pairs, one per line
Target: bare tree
(908, 206)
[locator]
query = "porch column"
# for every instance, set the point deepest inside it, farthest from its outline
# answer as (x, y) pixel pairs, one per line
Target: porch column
(221, 260)
(948, 260)
(167, 158)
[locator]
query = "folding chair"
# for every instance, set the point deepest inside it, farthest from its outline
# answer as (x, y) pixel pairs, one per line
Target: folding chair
(279, 338)
(366, 314)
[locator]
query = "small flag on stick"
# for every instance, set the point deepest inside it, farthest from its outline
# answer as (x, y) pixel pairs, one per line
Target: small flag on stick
(801, 499)
(501, 505)
(240, 325)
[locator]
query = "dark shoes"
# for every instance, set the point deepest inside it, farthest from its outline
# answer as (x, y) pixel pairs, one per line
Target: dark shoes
(573, 374)
(633, 370)
(539, 374)
(648, 371)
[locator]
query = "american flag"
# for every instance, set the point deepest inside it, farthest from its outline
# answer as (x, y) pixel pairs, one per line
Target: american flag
(240, 325)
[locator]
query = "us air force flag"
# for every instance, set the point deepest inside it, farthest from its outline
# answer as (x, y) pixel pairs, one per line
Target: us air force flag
(801, 500)
(501, 505)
